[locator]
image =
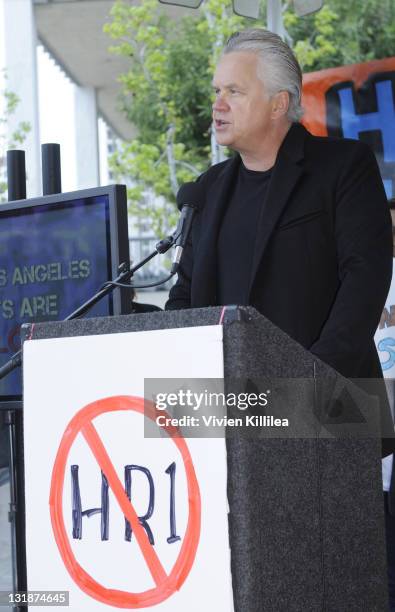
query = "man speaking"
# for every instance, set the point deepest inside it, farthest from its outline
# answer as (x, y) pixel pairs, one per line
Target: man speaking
(295, 225)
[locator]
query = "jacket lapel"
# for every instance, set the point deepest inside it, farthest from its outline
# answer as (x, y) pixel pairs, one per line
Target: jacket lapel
(286, 173)
(204, 286)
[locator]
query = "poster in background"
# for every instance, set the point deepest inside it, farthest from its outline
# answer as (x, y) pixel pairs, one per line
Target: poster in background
(385, 335)
(385, 344)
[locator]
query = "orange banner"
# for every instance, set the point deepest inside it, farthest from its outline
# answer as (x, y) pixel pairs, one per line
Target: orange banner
(356, 101)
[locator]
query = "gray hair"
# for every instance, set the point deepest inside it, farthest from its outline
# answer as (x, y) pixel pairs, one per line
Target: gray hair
(278, 67)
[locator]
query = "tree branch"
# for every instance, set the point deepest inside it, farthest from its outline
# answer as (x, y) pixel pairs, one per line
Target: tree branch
(188, 166)
(170, 158)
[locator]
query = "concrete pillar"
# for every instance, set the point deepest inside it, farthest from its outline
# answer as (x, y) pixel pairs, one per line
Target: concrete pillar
(86, 138)
(19, 41)
(104, 144)
(275, 17)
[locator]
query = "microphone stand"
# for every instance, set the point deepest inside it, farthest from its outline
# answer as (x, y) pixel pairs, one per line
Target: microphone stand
(125, 274)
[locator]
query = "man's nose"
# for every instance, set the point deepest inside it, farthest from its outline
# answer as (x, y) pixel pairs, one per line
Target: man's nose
(220, 103)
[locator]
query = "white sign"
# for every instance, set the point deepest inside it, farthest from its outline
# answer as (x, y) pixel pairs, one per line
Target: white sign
(116, 519)
(385, 343)
(385, 335)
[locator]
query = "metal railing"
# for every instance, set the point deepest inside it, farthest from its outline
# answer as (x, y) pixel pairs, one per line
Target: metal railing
(155, 269)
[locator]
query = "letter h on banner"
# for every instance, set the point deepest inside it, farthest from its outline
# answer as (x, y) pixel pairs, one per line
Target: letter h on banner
(383, 120)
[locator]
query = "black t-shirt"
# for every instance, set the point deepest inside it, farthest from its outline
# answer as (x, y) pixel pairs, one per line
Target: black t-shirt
(237, 235)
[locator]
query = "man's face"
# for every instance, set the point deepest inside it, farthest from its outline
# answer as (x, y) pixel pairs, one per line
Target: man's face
(242, 110)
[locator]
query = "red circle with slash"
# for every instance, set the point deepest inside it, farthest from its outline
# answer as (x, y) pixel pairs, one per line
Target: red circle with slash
(165, 584)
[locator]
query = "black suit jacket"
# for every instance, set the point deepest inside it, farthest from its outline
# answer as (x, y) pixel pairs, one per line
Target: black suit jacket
(322, 261)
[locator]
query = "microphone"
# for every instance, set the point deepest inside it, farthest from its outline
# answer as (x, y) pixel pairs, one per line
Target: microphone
(189, 198)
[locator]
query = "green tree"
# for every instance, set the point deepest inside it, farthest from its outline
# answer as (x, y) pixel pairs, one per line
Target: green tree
(9, 104)
(343, 33)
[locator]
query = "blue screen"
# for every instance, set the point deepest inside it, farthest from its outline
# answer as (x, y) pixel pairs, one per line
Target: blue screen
(53, 257)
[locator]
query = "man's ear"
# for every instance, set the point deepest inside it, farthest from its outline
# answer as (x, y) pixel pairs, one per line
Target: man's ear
(280, 104)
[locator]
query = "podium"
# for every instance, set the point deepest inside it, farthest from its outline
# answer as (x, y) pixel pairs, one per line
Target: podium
(306, 522)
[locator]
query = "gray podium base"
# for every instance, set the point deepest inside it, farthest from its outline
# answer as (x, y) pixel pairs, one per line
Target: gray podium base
(306, 515)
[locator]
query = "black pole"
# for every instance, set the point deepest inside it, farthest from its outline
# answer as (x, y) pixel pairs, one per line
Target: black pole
(16, 175)
(51, 172)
